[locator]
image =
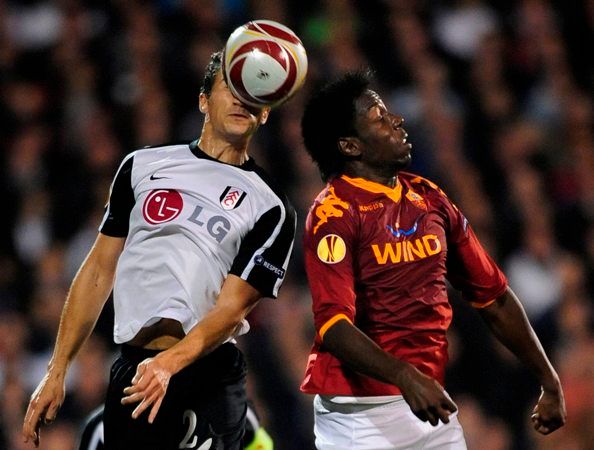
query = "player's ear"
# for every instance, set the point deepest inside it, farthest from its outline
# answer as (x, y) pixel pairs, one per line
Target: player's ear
(264, 115)
(349, 146)
(203, 103)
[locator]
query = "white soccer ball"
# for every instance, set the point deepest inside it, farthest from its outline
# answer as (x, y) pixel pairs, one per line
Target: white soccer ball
(264, 63)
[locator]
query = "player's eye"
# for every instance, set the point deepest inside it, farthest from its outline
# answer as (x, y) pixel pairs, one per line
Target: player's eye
(378, 114)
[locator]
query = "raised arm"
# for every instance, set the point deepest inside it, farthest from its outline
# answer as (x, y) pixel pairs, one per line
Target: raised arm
(508, 322)
(425, 396)
(149, 385)
(89, 291)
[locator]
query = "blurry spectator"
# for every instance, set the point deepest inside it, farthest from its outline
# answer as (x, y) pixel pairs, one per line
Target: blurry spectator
(26, 157)
(461, 26)
(31, 232)
(34, 25)
(533, 272)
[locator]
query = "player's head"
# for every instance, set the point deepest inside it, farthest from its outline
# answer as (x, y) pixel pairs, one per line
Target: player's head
(212, 70)
(224, 112)
(329, 115)
(345, 123)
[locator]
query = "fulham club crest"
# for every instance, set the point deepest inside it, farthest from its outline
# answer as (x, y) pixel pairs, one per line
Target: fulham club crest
(231, 198)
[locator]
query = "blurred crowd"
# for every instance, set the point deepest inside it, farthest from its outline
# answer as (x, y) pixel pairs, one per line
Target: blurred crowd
(497, 99)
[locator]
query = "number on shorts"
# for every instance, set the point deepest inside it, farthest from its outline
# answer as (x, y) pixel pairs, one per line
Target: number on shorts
(185, 442)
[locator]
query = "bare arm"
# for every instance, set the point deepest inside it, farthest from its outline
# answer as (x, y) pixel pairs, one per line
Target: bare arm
(89, 291)
(508, 322)
(425, 396)
(149, 385)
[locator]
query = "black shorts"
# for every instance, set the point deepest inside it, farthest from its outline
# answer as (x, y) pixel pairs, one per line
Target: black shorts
(205, 401)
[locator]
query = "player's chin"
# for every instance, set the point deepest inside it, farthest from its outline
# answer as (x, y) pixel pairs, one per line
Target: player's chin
(404, 159)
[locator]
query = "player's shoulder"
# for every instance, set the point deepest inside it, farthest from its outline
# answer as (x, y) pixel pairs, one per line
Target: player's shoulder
(425, 190)
(336, 193)
(420, 184)
(331, 207)
(154, 152)
(164, 150)
(168, 145)
(272, 184)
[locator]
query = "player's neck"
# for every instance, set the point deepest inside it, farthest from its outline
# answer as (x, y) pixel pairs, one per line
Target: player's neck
(390, 179)
(223, 150)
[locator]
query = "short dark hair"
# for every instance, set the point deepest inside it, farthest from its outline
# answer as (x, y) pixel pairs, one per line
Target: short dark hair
(212, 68)
(330, 115)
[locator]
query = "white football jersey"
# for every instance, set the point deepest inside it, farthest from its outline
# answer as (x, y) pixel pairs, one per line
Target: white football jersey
(190, 220)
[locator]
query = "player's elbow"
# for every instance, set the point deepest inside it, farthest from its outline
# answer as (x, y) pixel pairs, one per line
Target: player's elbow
(235, 318)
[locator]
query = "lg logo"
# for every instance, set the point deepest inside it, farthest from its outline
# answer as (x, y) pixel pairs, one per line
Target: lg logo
(217, 226)
(164, 205)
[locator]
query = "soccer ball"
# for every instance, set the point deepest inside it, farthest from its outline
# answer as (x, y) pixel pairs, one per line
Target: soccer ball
(264, 63)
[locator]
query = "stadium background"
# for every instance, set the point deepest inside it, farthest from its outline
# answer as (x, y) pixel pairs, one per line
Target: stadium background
(497, 98)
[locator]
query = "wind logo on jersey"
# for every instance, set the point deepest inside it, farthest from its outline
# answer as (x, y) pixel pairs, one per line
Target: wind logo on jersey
(162, 205)
(231, 198)
(331, 249)
(407, 251)
(329, 208)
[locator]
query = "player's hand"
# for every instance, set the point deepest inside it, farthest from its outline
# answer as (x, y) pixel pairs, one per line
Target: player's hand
(43, 406)
(149, 386)
(549, 412)
(427, 399)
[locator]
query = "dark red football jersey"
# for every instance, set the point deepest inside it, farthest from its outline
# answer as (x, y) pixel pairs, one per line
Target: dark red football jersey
(380, 257)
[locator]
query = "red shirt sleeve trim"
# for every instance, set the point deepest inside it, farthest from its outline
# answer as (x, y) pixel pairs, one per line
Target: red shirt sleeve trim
(331, 322)
(481, 305)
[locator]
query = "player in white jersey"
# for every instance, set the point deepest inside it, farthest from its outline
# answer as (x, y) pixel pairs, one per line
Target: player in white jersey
(193, 236)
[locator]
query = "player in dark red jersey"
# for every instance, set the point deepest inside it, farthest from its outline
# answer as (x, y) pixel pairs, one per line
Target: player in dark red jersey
(380, 244)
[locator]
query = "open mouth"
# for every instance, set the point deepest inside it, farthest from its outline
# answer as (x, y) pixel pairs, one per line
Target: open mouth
(404, 141)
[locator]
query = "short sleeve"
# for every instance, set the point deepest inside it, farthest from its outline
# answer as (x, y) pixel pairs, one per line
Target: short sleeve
(329, 253)
(116, 219)
(470, 269)
(265, 251)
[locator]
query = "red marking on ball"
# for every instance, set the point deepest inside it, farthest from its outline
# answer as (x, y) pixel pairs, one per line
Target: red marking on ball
(277, 32)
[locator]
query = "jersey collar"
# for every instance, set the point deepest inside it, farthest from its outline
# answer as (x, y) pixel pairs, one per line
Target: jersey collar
(198, 153)
(395, 194)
